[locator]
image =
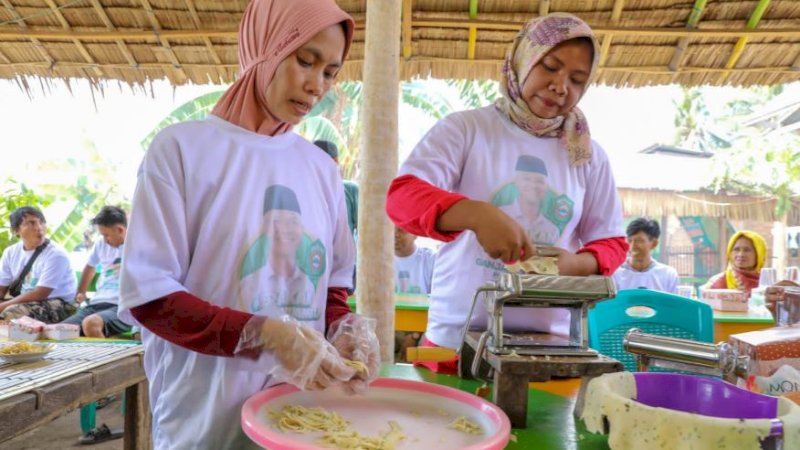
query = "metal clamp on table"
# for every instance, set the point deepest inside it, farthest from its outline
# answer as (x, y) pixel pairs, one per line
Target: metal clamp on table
(511, 360)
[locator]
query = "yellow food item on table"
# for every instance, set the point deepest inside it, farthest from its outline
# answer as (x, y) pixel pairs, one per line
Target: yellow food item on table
(301, 420)
(542, 265)
(22, 347)
(352, 440)
(359, 366)
(467, 426)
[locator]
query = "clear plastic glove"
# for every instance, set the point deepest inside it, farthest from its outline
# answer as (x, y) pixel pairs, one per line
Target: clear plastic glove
(305, 359)
(355, 339)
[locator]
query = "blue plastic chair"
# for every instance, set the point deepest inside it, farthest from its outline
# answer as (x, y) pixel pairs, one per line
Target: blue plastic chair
(652, 312)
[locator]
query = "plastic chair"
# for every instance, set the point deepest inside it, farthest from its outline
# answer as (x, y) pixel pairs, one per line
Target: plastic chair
(651, 311)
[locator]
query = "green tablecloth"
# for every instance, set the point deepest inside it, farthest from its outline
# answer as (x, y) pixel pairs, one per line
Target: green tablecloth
(551, 425)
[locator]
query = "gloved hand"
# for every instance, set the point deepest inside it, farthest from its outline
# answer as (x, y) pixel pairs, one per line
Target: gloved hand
(355, 339)
(305, 359)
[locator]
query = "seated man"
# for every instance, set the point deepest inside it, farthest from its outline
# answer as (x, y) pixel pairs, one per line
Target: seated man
(413, 266)
(640, 270)
(99, 317)
(35, 273)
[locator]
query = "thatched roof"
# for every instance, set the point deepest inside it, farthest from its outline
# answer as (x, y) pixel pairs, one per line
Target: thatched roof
(656, 202)
(194, 41)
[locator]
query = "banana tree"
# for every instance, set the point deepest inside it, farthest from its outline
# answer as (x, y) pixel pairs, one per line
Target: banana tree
(195, 109)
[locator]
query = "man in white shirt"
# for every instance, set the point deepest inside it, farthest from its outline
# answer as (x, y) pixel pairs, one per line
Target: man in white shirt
(43, 289)
(413, 265)
(99, 317)
(640, 270)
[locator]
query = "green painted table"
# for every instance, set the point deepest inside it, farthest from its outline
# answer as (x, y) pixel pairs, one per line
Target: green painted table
(551, 425)
(727, 323)
(411, 314)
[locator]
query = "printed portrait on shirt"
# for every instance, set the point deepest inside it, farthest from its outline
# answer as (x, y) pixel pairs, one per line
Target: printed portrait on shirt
(110, 278)
(281, 268)
(529, 199)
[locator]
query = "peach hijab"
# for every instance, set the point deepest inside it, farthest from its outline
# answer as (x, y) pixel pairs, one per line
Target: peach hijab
(270, 31)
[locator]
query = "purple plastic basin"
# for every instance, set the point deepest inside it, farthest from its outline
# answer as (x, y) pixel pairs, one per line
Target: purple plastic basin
(706, 396)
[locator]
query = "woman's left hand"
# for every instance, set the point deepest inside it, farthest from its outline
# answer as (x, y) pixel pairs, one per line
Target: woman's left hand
(355, 339)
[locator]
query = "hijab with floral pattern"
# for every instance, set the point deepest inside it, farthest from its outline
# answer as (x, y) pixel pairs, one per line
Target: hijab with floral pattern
(533, 42)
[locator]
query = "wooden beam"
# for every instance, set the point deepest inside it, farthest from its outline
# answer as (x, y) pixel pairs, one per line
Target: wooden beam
(408, 10)
(149, 35)
(177, 70)
(616, 12)
(472, 39)
(661, 70)
(98, 8)
(199, 25)
(691, 23)
(24, 26)
(544, 7)
(752, 23)
(81, 48)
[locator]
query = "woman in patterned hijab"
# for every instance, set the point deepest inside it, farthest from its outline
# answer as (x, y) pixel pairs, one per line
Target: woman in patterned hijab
(531, 100)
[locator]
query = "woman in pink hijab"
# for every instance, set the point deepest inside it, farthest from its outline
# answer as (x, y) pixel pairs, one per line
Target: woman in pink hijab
(238, 255)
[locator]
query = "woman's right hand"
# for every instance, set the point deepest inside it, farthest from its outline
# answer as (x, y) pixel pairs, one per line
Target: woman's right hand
(500, 236)
(305, 358)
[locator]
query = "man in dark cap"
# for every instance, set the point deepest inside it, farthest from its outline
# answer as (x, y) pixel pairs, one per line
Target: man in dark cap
(285, 255)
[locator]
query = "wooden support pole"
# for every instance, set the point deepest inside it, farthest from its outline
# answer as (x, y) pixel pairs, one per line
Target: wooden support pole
(683, 43)
(408, 11)
(375, 291)
(616, 12)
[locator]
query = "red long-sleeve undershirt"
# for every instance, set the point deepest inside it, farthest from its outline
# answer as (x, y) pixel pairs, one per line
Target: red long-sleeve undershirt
(414, 205)
(191, 322)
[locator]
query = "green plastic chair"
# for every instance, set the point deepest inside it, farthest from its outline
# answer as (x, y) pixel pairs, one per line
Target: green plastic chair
(652, 312)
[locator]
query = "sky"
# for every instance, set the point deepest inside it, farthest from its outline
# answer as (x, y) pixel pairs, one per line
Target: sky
(54, 124)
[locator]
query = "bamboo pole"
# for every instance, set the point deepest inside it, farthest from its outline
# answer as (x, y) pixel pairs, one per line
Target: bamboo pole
(472, 39)
(691, 24)
(752, 23)
(375, 292)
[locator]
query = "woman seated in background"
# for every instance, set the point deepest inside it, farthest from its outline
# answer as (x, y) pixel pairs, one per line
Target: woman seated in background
(747, 252)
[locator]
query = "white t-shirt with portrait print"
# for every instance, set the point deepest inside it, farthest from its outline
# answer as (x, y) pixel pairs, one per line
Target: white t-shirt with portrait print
(413, 273)
(107, 260)
(51, 269)
(476, 153)
(197, 225)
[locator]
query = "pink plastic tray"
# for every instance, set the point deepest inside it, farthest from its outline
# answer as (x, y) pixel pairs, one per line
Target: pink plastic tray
(422, 410)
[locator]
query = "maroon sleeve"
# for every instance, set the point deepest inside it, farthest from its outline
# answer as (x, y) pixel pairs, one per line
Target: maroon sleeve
(414, 205)
(193, 323)
(337, 305)
(610, 253)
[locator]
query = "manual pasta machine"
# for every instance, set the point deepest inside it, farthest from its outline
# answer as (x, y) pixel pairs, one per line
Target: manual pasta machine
(512, 358)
